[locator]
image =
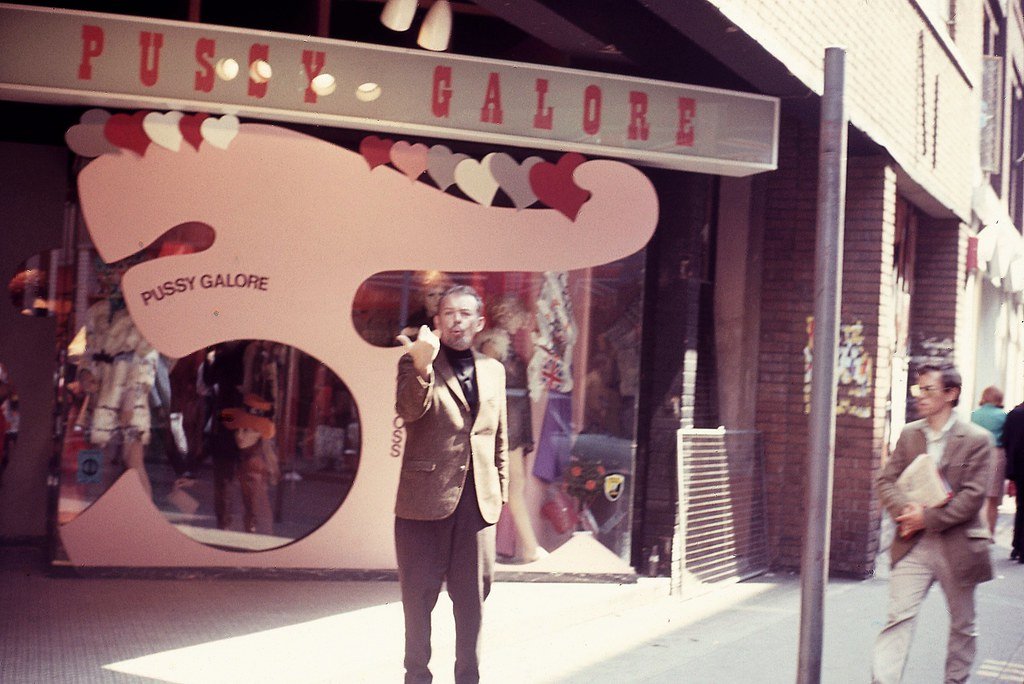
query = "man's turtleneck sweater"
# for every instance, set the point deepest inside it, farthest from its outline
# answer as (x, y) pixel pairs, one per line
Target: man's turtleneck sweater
(465, 371)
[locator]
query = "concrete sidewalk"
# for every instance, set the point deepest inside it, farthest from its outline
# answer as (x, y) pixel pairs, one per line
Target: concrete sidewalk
(235, 630)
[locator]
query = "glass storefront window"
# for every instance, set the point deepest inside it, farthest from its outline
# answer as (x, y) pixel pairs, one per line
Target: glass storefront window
(570, 344)
(180, 425)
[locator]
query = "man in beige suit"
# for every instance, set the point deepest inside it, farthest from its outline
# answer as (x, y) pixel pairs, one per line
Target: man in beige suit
(947, 543)
(454, 479)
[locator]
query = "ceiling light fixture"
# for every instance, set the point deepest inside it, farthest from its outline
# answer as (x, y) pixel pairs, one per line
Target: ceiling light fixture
(436, 31)
(398, 14)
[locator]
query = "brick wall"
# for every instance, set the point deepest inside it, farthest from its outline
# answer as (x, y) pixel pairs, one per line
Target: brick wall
(938, 299)
(868, 306)
(867, 314)
(896, 62)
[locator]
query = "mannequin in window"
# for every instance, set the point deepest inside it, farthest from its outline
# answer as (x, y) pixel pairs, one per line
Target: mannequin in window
(117, 371)
(509, 317)
(430, 285)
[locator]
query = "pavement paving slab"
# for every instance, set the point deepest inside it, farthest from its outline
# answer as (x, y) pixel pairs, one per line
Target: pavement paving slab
(55, 628)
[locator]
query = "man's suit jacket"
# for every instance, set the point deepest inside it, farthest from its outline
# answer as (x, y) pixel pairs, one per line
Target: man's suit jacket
(967, 466)
(443, 439)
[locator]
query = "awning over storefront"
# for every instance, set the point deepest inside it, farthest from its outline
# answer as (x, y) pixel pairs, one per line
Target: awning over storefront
(1000, 246)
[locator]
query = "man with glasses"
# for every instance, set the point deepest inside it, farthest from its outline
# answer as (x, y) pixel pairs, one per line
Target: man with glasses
(454, 479)
(947, 543)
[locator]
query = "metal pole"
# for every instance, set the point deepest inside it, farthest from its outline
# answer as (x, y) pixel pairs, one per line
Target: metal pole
(822, 422)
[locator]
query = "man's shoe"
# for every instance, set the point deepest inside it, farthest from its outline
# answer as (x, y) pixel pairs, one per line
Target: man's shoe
(1014, 555)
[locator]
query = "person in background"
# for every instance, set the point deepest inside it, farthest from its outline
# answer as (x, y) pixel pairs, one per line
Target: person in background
(947, 543)
(1013, 439)
(991, 416)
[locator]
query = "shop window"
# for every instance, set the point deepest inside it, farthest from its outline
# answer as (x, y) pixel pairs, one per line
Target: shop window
(570, 343)
(245, 445)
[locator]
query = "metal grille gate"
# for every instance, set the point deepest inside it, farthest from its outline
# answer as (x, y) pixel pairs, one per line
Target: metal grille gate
(722, 520)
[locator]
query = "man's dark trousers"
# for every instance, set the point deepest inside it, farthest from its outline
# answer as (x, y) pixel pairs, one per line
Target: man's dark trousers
(460, 551)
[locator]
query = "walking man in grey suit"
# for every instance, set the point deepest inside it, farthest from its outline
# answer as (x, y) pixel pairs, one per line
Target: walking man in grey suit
(947, 543)
(454, 479)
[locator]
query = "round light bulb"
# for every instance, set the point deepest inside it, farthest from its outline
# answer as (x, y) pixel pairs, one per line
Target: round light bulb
(260, 71)
(324, 84)
(368, 92)
(226, 69)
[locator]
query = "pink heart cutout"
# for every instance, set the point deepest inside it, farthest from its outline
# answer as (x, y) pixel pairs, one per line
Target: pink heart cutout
(376, 151)
(554, 186)
(125, 131)
(86, 138)
(190, 129)
(409, 159)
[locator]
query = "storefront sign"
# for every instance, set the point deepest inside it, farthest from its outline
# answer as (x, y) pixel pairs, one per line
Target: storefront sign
(70, 57)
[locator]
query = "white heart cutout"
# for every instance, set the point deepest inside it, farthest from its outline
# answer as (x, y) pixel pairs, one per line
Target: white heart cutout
(476, 181)
(163, 130)
(219, 132)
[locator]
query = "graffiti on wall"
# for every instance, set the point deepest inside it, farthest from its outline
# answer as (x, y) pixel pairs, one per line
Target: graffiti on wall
(854, 370)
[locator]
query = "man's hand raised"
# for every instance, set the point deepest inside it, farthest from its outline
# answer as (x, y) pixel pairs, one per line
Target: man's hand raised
(423, 351)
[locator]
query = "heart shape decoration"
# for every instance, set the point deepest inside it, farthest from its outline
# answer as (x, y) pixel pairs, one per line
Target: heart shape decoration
(555, 187)
(125, 131)
(376, 151)
(409, 159)
(441, 163)
(219, 132)
(86, 138)
(512, 177)
(163, 129)
(189, 126)
(476, 181)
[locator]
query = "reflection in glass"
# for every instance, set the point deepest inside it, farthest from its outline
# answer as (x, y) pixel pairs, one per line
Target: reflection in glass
(570, 344)
(184, 427)
(247, 445)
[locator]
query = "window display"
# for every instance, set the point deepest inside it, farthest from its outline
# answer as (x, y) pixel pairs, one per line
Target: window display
(569, 341)
(266, 276)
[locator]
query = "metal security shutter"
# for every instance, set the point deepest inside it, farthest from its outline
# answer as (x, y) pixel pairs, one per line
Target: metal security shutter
(722, 518)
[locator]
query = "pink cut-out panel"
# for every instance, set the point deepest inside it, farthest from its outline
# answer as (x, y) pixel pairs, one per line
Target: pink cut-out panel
(299, 224)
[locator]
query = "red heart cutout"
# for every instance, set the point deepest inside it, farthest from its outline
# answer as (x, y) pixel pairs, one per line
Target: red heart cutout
(376, 151)
(553, 184)
(189, 127)
(125, 131)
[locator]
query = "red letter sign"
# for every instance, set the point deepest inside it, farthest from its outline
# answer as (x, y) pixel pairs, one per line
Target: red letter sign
(442, 91)
(491, 111)
(591, 110)
(687, 110)
(257, 51)
(314, 64)
(205, 50)
(638, 127)
(92, 46)
(545, 117)
(149, 64)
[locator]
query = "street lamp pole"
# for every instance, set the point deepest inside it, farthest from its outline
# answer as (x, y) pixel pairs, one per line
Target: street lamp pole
(822, 421)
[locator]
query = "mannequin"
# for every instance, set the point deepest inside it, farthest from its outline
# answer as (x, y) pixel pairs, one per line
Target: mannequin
(509, 316)
(117, 371)
(430, 285)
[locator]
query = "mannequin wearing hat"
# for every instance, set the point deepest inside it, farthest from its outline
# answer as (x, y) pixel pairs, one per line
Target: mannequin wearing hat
(255, 468)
